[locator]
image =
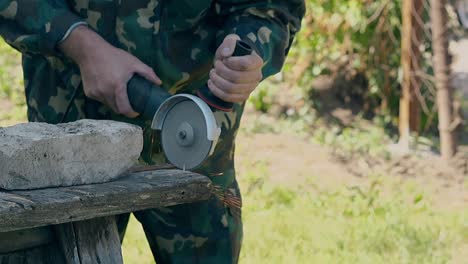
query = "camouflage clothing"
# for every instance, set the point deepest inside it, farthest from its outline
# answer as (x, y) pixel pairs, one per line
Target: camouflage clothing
(178, 39)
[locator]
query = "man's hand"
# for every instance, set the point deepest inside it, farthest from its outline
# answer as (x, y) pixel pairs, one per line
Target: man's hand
(234, 78)
(105, 70)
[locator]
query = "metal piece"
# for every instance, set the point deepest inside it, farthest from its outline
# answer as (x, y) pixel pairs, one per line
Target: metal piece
(186, 135)
(213, 131)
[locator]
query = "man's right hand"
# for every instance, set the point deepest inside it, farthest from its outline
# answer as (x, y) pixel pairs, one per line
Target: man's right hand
(105, 70)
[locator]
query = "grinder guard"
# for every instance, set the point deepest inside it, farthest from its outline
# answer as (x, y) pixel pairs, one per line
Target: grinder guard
(212, 130)
(189, 131)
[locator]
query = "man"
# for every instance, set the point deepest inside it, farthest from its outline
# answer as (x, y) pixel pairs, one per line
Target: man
(78, 56)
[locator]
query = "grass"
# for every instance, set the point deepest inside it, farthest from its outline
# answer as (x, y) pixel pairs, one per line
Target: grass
(12, 100)
(308, 224)
(348, 225)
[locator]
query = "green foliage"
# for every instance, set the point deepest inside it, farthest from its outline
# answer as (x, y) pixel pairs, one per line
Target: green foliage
(350, 32)
(371, 140)
(261, 98)
(350, 37)
(10, 72)
(346, 38)
(263, 124)
(12, 101)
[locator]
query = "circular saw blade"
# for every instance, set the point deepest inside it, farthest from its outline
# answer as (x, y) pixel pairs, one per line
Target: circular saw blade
(185, 119)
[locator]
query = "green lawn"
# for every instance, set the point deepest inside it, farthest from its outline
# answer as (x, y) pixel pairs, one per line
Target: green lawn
(12, 100)
(309, 224)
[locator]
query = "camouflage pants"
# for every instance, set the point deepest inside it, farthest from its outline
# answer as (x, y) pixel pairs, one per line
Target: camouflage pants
(203, 232)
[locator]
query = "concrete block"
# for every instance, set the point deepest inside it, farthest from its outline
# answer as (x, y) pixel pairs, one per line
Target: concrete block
(38, 155)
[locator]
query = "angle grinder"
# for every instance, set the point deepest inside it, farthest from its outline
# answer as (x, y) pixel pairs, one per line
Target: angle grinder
(189, 131)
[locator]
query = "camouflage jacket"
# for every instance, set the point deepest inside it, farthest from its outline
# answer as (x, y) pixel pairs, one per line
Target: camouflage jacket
(176, 38)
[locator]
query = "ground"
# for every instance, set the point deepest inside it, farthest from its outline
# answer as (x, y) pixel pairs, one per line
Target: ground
(339, 206)
(289, 160)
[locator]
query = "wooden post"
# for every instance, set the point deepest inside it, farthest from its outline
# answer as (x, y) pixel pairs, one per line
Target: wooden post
(91, 241)
(442, 75)
(410, 55)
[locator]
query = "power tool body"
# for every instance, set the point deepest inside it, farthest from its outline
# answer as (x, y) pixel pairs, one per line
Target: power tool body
(189, 131)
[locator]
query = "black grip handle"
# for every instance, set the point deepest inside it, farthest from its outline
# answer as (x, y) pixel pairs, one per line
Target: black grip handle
(242, 49)
(145, 97)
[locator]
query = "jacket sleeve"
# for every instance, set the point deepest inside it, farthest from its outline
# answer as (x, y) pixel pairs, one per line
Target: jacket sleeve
(36, 26)
(268, 25)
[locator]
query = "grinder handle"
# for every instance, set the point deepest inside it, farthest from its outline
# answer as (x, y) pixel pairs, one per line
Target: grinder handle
(145, 97)
(242, 49)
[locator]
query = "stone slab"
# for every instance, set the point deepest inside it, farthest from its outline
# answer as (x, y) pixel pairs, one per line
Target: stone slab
(39, 155)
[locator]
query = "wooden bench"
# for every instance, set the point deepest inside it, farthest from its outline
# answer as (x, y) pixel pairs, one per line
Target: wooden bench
(77, 224)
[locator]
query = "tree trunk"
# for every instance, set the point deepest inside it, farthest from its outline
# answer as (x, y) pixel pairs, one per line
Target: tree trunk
(442, 76)
(410, 57)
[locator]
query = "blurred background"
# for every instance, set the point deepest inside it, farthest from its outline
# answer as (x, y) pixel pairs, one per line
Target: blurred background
(340, 158)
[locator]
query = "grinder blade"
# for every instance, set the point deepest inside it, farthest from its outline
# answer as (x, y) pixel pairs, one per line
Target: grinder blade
(184, 135)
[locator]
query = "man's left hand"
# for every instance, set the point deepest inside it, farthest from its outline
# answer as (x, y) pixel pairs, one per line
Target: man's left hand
(233, 79)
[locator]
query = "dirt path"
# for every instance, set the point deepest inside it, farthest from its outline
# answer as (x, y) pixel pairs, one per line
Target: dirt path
(290, 160)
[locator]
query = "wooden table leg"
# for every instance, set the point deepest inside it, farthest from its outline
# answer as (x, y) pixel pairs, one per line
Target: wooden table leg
(91, 241)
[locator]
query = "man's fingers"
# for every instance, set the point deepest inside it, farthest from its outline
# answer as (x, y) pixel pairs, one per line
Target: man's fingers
(233, 98)
(234, 78)
(122, 103)
(227, 47)
(148, 73)
(237, 76)
(114, 97)
(243, 89)
(244, 63)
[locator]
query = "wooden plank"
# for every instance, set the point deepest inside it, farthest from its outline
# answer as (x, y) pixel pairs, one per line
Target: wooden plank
(91, 241)
(47, 254)
(24, 239)
(137, 191)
